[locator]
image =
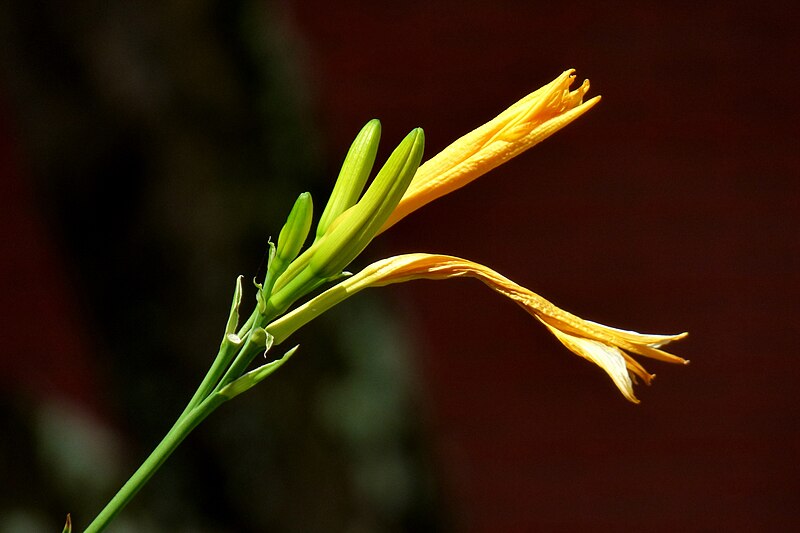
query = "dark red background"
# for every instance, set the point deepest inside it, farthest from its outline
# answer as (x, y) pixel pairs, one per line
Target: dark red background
(671, 206)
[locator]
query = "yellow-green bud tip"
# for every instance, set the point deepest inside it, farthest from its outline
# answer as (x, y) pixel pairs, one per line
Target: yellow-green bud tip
(294, 232)
(351, 235)
(353, 175)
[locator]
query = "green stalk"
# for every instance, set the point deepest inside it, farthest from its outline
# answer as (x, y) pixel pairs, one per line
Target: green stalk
(183, 426)
(206, 399)
(223, 359)
(242, 360)
(227, 353)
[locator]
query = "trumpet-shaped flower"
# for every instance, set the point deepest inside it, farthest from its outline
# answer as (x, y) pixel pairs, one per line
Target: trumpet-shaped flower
(607, 347)
(521, 126)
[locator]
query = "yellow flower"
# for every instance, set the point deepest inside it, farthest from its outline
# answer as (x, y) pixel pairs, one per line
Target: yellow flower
(607, 347)
(524, 124)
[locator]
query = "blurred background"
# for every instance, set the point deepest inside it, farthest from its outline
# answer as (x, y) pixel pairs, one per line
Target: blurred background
(147, 152)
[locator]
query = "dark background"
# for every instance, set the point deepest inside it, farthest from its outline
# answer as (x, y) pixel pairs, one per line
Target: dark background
(147, 154)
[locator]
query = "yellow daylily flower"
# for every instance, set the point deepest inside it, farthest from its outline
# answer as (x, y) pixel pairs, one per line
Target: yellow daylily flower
(607, 347)
(524, 124)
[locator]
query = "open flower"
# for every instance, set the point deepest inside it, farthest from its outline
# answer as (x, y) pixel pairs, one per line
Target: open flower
(521, 126)
(607, 347)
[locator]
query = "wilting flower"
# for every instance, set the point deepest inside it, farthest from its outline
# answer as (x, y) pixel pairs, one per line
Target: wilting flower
(521, 126)
(609, 348)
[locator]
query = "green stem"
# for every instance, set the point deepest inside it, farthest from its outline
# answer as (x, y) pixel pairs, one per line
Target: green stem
(231, 362)
(222, 360)
(248, 325)
(240, 363)
(226, 354)
(183, 426)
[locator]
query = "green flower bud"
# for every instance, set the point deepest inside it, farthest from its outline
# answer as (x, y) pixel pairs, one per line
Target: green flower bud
(361, 222)
(353, 175)
(294, 232)
(353, 230)
(293, 235)
(349, 185)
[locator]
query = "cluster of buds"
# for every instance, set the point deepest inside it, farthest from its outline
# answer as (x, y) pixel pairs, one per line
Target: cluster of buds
(348, 224)
(351, 220)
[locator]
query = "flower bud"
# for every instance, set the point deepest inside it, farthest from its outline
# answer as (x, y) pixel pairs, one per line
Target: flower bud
(290, 242)
(294, 232)
(353, 230)
(353, 175)
(361, 222)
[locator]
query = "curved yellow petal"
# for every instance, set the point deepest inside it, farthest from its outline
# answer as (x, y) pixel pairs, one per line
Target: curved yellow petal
(521, 126)
(609, 358)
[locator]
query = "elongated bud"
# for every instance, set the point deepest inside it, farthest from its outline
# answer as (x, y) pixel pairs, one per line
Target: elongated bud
(353, 175)
(353, 230)
(349, 185)
(294, 233)
(361, 222)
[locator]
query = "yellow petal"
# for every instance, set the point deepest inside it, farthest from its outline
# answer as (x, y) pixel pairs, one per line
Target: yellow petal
(631, 341)
(654, 341)
(524, 124)
(609, 358)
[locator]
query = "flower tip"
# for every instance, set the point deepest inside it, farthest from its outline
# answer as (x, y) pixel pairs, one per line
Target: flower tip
(575, 97)
(372, 128)
(629, 395)
(590, 103)
(419, 135)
